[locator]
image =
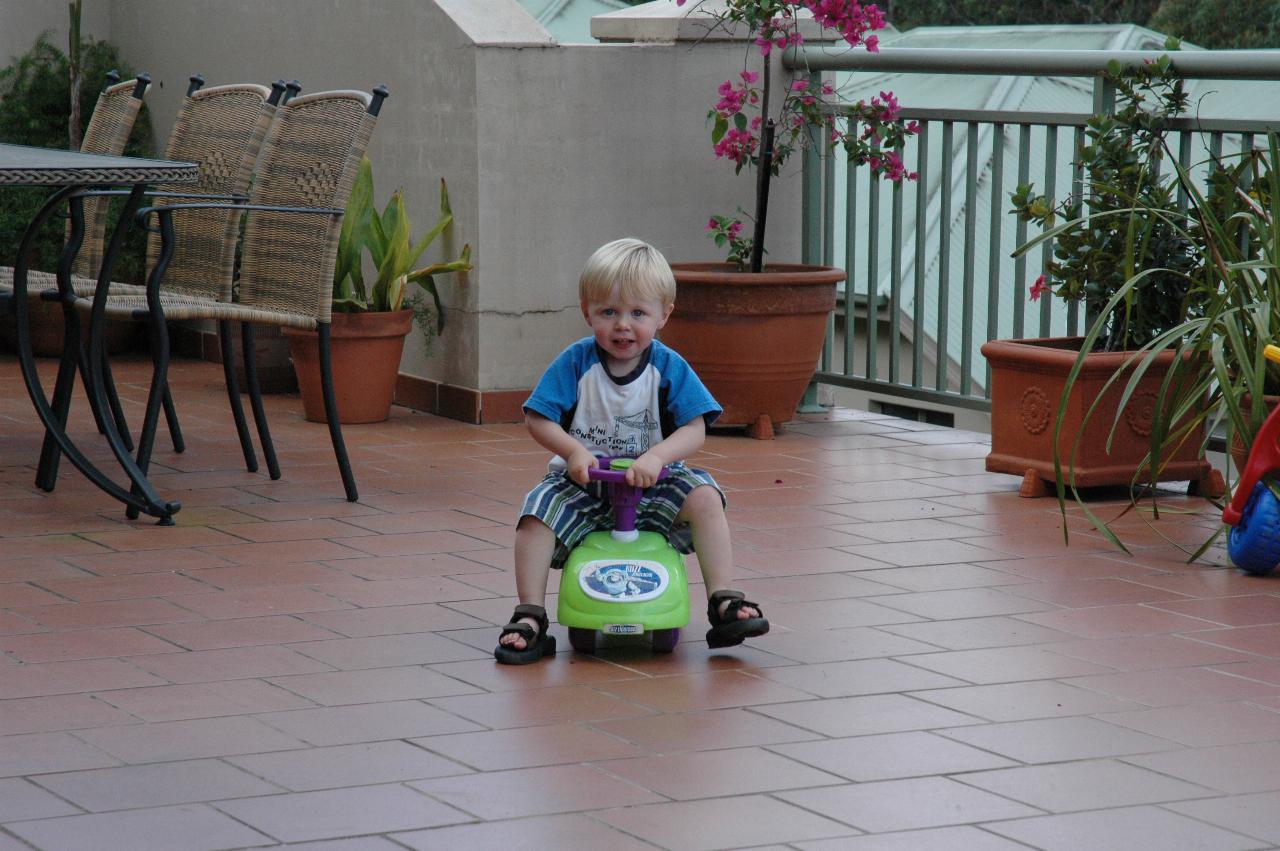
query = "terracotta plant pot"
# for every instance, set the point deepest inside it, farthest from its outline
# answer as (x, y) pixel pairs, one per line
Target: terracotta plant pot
(1027, 379)
(366, 359)
(754, 339)
(45, 320)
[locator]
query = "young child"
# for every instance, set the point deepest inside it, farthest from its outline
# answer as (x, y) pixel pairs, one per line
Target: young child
(620, 392)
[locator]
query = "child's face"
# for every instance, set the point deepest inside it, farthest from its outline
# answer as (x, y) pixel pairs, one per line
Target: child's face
(624, 328)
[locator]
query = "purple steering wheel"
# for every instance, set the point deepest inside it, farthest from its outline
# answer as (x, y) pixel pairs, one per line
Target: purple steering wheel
(623, 496)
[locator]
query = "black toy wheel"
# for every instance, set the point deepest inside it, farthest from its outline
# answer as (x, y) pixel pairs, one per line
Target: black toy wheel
(665, 640)
(1254, 542)
(582, 640)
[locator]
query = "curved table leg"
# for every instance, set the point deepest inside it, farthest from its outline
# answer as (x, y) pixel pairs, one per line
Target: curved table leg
(147, 501)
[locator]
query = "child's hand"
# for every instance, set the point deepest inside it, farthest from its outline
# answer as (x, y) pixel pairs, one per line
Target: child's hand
(578, 463)
(644, 471)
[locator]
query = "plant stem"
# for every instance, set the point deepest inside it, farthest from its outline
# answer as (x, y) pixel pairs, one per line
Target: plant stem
(763, 176)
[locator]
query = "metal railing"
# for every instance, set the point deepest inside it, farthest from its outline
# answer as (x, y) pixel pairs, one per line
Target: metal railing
(930, 276)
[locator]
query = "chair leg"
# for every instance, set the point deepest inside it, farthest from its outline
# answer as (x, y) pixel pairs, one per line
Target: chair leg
(171, 418)
(151, 418)
(250, 357)
(47, 472)
(113, 399)
(331, 414)
(233, 394)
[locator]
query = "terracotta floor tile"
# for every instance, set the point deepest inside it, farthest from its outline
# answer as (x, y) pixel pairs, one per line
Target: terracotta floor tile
(68, 677)
(391, 592)
(413, 543)
(890, 756)
(721, 823)
(431, 564)
(373, 685)
(1249, 767)
(1148, 652)
(385, 651)
(82, 644)
(1121, 829)
(864, 676)
(1026, 700)
(577, 669)
(535, 791)
(713, 774)
(258, 602)
(945, 577)
(202, 700)
(304, 816)
(38, 753)
(976, 633)
(230, 664)
(562, 831)
(265, 531)
(1004, 664)
(928, 839)
(160, 538)
(913, 553)
(1094, 592)
(148, 561)
(861, 716)
(819, 586)
(1252, 815)
(119, 587)
(255, 576)
(57, 712)
(390, 620)
(718, 690)
(107, 614)
(1177, 686)
(834, 614)
(1086, 785)
(20, 800)
(1058, 739)
(239, 632)
(545, 706)
(1115, 621)
(156, 785)
(1249, 610)
(1205, 723)
(838, 645)
(196, 739)
(282, 552)
(529, 747)
(691, 731)
(367, 722)
(906, 804)
(15, 595)
(1263, 640)
(804, 561)
(963, 603)
(193, 826)
(346, 765)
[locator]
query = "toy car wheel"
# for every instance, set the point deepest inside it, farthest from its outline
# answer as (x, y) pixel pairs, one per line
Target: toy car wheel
(1254, 542)
(665, 640)
(582, 640)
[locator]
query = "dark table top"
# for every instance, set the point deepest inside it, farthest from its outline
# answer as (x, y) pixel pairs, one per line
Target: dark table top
(21, 165)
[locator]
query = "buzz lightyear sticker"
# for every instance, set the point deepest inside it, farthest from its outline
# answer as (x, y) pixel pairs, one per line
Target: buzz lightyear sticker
(623, 581)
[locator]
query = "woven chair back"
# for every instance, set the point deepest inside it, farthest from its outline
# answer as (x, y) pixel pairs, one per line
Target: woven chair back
(221, 128)
(310, 159)
(108, 130)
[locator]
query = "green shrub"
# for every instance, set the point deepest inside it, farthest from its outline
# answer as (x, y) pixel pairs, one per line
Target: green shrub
(34, 110)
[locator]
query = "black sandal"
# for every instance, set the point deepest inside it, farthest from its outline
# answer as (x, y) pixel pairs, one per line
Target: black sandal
(536, 644)
(728, 629)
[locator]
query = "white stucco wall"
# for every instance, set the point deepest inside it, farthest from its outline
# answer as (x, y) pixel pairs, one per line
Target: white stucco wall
(549, 150)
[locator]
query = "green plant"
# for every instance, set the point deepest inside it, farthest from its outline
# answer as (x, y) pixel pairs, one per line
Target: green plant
(393, 251)
(34, 95)
(1127, 219)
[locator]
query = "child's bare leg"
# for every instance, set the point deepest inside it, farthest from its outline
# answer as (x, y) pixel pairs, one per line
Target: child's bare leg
(704, 512)
(534, 549)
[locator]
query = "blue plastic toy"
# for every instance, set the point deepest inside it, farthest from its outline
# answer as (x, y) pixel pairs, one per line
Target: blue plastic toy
(1254, 512)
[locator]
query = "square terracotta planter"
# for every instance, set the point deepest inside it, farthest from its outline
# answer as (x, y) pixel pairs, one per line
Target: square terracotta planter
(1027, 380)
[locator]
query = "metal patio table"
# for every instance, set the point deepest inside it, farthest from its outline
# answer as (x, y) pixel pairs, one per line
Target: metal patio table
(71, 173)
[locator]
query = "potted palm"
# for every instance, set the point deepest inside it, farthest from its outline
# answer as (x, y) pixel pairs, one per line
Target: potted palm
(370, 323)
(1058, 414)
(754, 331)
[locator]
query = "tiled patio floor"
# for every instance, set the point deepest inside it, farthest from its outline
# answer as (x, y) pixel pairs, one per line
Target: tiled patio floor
(285, 667)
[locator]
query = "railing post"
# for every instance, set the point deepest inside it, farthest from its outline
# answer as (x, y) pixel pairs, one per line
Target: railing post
(811, 204)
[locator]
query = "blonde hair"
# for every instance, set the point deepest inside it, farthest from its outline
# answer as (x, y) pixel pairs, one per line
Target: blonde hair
(636, 268)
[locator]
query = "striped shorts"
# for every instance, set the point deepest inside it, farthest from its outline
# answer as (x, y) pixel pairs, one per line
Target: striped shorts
(572, 511)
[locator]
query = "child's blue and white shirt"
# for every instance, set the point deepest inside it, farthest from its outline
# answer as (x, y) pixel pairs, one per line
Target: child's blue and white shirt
(624, 415)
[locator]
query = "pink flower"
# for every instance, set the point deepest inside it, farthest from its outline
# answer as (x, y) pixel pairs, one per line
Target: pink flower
(734, 229)
(799, 85)
(711, 225)
(1039, 288)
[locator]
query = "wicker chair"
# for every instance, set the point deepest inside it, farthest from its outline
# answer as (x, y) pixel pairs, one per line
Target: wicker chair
(222, 129)
(309, 162)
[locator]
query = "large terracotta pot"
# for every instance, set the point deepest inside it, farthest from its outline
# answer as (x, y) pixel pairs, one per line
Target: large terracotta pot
(754, 339)
(1027, 379)
(1238, 451)
(366, 359)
